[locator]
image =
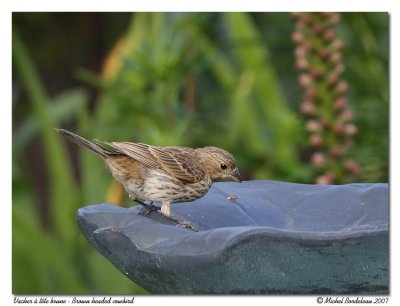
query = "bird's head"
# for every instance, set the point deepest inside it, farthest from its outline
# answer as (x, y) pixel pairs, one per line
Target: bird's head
(219, 164)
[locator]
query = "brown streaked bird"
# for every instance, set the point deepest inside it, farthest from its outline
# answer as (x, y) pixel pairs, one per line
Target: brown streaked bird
(162, 174)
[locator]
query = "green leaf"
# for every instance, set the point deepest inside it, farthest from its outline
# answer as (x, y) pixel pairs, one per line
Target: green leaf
(62, 187)
(41, 264)
(62, 108)
(251, 54)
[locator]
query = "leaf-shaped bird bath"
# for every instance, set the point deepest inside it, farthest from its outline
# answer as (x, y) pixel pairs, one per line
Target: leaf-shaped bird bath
(258, 237)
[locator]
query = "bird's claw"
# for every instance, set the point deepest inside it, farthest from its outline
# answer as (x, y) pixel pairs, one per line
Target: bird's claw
(188, 225)
(148, 209)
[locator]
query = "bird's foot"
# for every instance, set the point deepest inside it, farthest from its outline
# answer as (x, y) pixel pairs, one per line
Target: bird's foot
(183, 223)
(186, 224)
(147, 207)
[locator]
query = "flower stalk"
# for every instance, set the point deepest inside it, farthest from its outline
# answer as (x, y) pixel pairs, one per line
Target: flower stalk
(325, 106)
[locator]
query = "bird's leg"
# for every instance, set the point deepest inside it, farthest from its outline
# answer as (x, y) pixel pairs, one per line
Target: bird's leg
(148, 208)
(166, 211)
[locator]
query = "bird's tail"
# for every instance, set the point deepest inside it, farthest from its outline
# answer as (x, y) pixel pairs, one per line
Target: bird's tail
(92, 146)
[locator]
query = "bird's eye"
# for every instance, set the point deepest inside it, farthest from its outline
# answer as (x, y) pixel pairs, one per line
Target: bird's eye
(223, 167)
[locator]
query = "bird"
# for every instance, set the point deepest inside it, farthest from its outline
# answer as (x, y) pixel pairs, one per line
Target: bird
(163, 174)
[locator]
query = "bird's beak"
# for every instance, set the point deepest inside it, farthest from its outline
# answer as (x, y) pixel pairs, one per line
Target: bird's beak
(236, 176)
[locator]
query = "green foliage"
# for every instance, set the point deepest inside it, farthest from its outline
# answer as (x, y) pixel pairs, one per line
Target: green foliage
(190, 79)
(269, 104)
(366, 56)
(42, 260)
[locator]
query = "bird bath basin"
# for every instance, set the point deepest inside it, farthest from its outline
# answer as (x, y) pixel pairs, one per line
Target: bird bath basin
(258, 237)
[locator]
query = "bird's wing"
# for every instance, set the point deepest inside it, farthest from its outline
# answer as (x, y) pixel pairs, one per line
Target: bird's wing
(177, 162)
(137, 151)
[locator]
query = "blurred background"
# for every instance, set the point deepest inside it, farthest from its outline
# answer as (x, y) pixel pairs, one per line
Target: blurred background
(295, 97)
